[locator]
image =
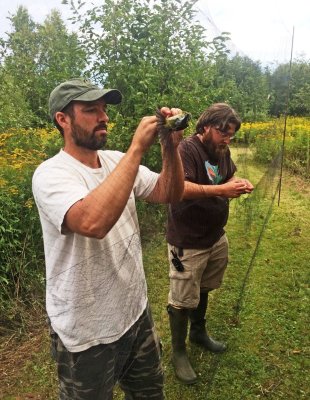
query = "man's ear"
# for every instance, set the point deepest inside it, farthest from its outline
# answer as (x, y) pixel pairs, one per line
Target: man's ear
(207, 128)
(62, 118)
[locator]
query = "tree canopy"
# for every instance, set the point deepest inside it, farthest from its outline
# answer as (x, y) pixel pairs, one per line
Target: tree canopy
(155, 52)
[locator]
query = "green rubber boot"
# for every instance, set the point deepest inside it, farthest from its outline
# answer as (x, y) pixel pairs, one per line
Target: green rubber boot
(178, 325)
(198, 332)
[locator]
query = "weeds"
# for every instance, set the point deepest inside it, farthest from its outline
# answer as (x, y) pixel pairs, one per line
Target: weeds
(267, 332)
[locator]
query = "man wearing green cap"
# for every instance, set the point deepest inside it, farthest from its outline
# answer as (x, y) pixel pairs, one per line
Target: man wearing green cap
(96, 296)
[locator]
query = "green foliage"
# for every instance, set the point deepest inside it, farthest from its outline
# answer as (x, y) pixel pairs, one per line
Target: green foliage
(289, 135)
(36, 58)
(157, 56)
(289, 85)
(21, 246)
(154, 55)
(241, 82)
(60, 57)
(300, 89)
(15, 111)
(21, 250)
(267, 337)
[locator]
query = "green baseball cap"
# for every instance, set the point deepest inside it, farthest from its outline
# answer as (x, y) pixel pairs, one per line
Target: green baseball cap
(82, 90)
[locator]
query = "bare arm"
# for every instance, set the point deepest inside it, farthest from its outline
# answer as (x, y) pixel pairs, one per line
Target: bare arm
(97, 213)
(233, 188)
(170, 185)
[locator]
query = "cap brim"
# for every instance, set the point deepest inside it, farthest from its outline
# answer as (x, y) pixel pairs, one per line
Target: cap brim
(110, 96)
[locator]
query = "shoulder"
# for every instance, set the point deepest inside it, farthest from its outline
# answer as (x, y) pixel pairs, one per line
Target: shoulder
(53, 162)
(191, 143)
(190, 147)
(58, 168)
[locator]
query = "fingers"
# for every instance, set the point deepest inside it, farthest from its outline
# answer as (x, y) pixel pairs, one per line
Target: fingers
(176, 111)
(240, 187)
(145, 133)
(237, 187)
(148, 129)
(148, 120)
(250, 187)
(245, 184)
(168, 112)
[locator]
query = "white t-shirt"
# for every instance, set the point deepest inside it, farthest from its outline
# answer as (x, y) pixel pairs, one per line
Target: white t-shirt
(95, 288)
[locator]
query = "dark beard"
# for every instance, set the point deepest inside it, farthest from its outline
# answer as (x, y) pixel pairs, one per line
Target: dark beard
(87, 140)
(217, 154)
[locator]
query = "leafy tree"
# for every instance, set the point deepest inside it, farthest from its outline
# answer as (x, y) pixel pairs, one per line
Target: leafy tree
(60, 57)
(16, 72)
(37, 57)
(300, 88)
(242, 83)
(15, 111)
(155, 53)
(279, 86)
(152, 54)
(290, 87)
(21, 47)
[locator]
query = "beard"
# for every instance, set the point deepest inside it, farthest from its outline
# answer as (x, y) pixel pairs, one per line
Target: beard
(216, 151)
(88, 140)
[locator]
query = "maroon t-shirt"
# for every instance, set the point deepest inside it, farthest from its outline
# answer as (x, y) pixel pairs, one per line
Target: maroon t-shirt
(199, 223)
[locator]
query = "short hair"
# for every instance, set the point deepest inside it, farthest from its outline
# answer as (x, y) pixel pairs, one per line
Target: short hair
(67, 110)
(218, 115)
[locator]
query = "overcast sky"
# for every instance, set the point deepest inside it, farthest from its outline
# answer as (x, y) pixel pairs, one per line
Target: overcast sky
(260, 29)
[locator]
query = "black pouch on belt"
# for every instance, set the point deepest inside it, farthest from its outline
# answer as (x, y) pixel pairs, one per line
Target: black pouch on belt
(176, 261)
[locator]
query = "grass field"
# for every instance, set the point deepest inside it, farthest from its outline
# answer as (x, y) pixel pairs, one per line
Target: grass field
(261, 311)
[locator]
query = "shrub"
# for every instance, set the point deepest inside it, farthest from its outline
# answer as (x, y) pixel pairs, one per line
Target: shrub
(266, 138)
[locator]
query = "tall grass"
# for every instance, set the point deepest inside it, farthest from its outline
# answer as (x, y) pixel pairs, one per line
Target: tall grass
(269, 138)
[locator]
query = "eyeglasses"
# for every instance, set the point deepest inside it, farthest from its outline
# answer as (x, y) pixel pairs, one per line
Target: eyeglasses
(224, 134)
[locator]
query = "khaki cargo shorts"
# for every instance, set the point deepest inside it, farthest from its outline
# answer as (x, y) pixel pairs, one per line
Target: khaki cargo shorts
(203, 270)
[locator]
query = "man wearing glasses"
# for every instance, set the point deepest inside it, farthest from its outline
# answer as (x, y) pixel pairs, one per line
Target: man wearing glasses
(197, 243)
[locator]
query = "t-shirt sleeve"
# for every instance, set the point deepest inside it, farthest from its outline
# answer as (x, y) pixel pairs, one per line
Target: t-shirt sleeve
(55, 190)
(145, 182)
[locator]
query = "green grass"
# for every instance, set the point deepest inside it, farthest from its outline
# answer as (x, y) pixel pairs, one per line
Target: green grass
(261, 310)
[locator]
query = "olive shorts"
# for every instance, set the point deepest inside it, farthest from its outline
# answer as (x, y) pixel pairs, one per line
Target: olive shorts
(203, 271)
(133, 361)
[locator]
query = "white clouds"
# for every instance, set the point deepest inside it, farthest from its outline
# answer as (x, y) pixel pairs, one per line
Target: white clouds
(261, 29)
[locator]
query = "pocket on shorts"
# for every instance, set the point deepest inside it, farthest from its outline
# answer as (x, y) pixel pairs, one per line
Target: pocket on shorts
(186, 275)
(181, 288)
